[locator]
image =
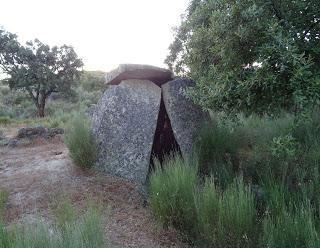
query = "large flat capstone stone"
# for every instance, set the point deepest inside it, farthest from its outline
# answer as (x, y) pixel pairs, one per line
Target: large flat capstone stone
(185, 117)
(123, 124)
(134, 71)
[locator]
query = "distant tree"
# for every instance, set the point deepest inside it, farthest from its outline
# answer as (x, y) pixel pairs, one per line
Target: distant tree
(250, 55)
(38, 69)
(93, 80)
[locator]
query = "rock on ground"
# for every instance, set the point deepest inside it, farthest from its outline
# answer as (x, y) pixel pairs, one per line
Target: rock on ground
(38, 131)
(185, 117)
(123, 125)
(143, 72)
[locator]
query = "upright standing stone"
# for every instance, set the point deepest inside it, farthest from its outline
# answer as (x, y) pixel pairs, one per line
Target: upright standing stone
(185, 117)
(124, 123)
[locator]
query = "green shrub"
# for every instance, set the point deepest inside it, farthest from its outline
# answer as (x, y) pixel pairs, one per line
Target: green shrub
(237, 216)
(291, 230)
(227, 219)
(3, 200)
(216, 147)
(5, 120)
(80, 142)
(64, 213)
(172, 193)
(208, 206)
(85, 232)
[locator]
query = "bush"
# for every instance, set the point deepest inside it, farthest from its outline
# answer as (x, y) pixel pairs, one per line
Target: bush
(80, 142)
(227, 219)
(244, 58)
(217, 147)
(3, 200)
(172, 194)
(291, 230)
(87, 232)
(279, 160)
(237, 216)
(5, 120)
(208, 206)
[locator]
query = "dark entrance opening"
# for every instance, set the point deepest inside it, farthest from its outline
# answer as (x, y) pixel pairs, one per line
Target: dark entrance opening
(164, 142)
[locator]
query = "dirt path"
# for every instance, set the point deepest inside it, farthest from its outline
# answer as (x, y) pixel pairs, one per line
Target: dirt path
(36, 175)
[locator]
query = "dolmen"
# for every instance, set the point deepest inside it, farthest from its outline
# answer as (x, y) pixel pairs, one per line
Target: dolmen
(143, 114)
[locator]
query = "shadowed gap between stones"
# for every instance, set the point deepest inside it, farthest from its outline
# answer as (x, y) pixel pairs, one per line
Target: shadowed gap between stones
(164, 142)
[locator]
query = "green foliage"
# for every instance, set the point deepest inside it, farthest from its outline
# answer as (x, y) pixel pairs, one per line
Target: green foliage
(252, 56)
(284, 146)
(172, 194)
(5, 120)
(237, 213)
(216, 147)
(291, 230)
(227, 219)
(208, 216)
(38, 69)
(85, 232)
(20, 108)
(79, 140)
(3, 200)
(276, 204)
(92, 80)
(65, 213)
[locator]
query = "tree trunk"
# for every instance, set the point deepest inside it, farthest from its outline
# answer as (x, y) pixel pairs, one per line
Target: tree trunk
(41, 104)
(40, 111)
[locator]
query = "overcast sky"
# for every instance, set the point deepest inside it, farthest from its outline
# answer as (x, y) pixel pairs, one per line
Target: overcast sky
(104, 33)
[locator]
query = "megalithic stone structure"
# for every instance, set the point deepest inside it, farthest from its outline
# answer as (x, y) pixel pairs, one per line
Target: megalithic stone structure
(143, 113)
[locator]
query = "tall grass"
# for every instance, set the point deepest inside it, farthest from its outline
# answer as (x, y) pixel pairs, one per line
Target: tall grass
(216, 148)
(237, 216)
(294, 229)
(80, 142)
(83, 232)
(226, 219)
(277, 202)
(172, 193)
(208, 216)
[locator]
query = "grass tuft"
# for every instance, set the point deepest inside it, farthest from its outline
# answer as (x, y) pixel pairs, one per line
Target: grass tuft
(80, 142)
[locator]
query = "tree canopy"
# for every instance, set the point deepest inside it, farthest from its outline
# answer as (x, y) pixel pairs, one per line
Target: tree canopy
(37, 68)
(250, 55)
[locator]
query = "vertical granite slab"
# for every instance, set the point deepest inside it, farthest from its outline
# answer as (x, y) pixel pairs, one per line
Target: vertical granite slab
(185, 117)
(123, 124)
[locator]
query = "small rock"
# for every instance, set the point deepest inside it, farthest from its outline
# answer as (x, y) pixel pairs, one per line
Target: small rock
(257, 192)
(56, 153)
(12, 143)
(38, 131)
(51, 132)
(29, 132)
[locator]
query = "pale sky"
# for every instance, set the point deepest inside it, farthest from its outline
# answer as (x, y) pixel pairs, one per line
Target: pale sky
(104, 33)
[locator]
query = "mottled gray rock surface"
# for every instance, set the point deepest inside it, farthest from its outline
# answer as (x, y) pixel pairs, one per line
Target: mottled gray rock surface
(143, 72)
(38, 131)
(123, 124)
(33, 131)
(185, 117)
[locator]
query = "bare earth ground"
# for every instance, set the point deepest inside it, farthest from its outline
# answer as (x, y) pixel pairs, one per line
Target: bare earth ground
(37, 175)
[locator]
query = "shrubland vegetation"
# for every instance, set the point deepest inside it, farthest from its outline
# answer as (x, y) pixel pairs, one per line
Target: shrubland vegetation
(256, 166)
(68, 230)
(250, 55)
(255, 183)
(37, 69)
(17, 107)
(254, 177)
(79, 140)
